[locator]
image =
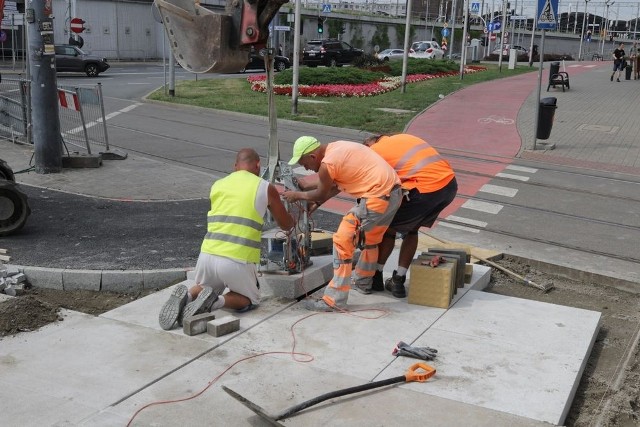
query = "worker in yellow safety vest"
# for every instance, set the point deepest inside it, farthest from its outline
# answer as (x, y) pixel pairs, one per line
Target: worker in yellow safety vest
(231, 247)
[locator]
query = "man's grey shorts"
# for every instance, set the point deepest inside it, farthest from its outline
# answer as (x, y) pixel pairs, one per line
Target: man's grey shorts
(219, 273)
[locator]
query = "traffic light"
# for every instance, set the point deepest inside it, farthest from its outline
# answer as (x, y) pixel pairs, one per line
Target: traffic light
(320, 26)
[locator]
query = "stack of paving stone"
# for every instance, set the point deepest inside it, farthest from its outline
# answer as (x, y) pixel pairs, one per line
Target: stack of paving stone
(12, 282)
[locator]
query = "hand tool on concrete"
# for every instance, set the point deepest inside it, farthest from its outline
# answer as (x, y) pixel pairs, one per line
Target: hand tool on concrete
(424, 353)
(419, 372)
(546, 287)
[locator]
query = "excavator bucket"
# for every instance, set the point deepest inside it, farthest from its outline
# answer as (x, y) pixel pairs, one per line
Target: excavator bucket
(204, 41)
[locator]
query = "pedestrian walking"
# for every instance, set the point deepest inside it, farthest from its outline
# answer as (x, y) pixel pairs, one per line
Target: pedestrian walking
(355, 169)
(618, 61)
(231, 247)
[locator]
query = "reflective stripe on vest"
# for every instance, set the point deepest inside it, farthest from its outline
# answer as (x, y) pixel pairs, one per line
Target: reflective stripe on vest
(234, 227)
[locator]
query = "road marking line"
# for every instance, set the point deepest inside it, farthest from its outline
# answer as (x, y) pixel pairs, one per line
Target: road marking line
(521, 169)
(107, 117)
(467, 221)
(477, 205)
(511, 176)
(499, 190)
(458, 227)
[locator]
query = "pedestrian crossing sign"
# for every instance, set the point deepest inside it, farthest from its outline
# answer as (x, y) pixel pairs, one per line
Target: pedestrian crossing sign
(547, 14)
(475, 9)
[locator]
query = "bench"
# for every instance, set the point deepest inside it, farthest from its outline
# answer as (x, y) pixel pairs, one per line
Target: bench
(557, 77)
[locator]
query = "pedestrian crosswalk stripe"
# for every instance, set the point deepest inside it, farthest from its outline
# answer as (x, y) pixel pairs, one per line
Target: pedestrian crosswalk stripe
(499, 190)
(477, 205)
(467, 221)
(512, 176)
(521, 168)
(458, 227)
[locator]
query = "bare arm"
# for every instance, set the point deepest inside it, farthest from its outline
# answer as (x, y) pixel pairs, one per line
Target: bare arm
(325, 189)
(277, 209)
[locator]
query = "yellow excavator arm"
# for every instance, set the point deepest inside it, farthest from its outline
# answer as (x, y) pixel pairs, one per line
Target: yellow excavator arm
(205, 41)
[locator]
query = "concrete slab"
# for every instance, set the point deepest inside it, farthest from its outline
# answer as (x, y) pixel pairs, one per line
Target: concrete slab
(501, 361)
(296, 285)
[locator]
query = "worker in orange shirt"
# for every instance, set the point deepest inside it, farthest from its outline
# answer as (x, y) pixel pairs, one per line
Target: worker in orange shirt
(432, 187)
(355, 169)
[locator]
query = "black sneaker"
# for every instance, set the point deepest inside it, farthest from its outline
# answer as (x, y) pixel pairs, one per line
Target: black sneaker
(611, 77)
(171, 311)
(395, 285)
(202, 304)
(618, 80)
(378, 282)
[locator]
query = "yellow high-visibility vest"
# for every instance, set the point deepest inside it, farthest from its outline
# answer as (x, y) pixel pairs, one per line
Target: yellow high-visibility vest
(234, 227)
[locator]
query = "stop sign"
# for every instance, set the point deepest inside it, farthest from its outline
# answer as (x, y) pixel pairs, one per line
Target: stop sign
(77, 25)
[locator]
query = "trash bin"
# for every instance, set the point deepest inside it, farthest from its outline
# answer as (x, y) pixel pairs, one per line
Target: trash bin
(627, 72)
(545, 117)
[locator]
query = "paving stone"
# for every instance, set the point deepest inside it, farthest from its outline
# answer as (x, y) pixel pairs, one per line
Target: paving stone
(223, 326)
(198, 324)
(162, 278)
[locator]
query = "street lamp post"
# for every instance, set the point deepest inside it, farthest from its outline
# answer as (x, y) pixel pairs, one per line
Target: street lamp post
(584, 18)
(606, 25)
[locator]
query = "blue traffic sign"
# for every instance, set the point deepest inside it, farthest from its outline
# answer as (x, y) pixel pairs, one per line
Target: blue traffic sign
(475, 8)
(494, 27)
(547, 14)
(446, 32)
(326, 8)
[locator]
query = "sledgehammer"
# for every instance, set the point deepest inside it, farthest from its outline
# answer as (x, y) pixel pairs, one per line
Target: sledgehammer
(419, 372)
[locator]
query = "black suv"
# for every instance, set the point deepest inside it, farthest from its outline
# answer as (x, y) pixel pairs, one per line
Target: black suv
(332, 53)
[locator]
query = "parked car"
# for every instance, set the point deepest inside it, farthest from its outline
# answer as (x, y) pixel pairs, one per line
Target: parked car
(330, 52)
(519, 50)
(426, 49)
(389, 54)
(71, 58)
(256, 62)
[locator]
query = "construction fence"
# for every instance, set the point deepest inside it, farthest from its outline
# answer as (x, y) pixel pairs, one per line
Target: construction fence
(83, 126)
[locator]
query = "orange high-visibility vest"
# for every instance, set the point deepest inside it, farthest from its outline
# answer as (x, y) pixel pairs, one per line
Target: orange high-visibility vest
(417, 163)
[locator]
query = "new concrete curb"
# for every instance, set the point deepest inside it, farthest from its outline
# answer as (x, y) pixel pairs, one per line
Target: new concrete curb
(123, 281)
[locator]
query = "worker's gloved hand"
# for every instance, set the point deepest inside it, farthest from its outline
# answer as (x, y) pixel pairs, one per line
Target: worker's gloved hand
(423, 353)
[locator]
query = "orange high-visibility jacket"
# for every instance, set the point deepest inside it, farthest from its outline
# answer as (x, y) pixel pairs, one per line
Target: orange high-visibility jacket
(416, 162)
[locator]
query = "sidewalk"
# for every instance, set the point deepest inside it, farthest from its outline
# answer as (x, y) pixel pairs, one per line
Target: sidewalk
(504, 361)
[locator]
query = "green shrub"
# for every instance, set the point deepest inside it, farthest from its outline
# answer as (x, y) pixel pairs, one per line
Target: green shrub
(422, 66)
(366, 61)
(328, 76)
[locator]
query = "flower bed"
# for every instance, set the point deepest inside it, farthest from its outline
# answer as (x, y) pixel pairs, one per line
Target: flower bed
(387, 84)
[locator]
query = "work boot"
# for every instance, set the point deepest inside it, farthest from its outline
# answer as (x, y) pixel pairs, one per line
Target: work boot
(395, 285)
(171, 311)
(202, 304)
(378, 282)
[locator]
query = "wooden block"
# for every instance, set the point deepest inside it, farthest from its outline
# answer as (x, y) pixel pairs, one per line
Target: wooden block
(462, 257)
(426, 256)
(468, 272)
(431, 286)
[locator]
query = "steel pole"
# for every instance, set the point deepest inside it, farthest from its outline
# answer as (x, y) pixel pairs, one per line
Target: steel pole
(44, 97)
(297, 26)
(584, 19)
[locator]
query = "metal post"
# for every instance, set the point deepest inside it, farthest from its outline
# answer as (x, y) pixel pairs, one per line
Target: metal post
(407, 27)
(537, 116)
(463, 54)
(172, 74)
(453, 26)
(104, 118)
(297, 25)
(504, 23)
(44, 99)
(584, 20)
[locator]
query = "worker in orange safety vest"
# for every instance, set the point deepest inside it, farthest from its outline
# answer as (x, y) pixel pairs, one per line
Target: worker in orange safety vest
(432, 186)
(355, 169)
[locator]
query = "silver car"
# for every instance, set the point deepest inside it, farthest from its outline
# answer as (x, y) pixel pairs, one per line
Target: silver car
(390, 54)
(427, 50)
